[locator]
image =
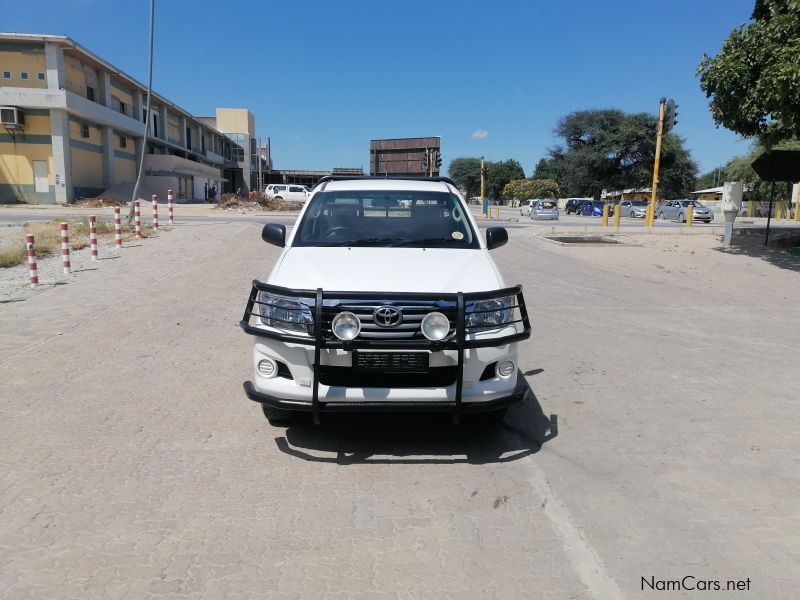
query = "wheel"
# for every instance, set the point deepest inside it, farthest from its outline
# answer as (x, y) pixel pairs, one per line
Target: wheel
(681, 218)
(661, 216)
(278, 198)
(277, 416)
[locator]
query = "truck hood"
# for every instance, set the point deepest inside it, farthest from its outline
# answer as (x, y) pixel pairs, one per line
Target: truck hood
(370, 269)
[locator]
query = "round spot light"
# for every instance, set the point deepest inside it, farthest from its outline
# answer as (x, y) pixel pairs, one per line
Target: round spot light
(346, 326)
(267, 368)
(505, 369)
(435, 326)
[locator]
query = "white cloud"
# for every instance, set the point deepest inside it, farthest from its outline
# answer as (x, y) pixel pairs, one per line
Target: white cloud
(479, 134)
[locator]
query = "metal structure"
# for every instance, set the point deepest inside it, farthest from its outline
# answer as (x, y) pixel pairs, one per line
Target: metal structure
(324, 305)
(405, 157)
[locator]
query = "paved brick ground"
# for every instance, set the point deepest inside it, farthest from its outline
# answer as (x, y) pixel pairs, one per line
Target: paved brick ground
(659, 441)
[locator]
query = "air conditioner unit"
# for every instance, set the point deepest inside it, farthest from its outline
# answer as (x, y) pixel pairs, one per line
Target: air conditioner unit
(12, 117)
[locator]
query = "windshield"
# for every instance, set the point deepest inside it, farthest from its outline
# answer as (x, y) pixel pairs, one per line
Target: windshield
(412, 219)
(690, 203)
(599, 203)
(638, 203)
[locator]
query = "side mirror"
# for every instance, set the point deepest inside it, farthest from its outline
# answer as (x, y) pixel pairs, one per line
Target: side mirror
(274, 234)
(496, 237)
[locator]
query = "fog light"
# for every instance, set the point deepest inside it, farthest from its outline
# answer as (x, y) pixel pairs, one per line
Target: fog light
(435, 326)
(505, 368)
(267, 368)
(346, 326)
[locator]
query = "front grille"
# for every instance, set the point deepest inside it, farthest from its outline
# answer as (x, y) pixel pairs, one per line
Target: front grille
(408, 329)
(347, 377)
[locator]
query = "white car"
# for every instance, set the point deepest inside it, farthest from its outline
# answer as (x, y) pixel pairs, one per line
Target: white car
(296, 193)
(385, 298)
(525, 208)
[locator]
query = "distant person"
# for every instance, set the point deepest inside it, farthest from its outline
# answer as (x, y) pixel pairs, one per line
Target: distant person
(240, 192)
(205, 191)
(213, 193)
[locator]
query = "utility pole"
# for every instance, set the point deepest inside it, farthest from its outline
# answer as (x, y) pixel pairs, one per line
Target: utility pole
(651, 210)
(483, 205)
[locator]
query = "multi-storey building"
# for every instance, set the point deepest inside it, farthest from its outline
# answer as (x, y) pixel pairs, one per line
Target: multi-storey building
(73, 126)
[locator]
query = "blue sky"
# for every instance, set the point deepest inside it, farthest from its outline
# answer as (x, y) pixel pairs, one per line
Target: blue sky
(491, 78)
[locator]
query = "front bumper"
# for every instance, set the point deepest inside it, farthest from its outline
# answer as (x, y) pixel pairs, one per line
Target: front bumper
(463, 351)
(517, 395)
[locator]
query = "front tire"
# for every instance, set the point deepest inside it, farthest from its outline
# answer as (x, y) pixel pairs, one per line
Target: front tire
(277, 416)
(661, 216)
(681, 218)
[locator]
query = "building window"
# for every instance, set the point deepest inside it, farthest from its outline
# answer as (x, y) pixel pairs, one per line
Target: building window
(23, 75)
(84, 130)
(90, 93)
(6, 74)
(40, 76)
(123, 141)
(121, 106)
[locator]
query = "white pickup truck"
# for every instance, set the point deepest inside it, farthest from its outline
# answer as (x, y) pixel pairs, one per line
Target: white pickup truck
(278, 191)
(385, 298)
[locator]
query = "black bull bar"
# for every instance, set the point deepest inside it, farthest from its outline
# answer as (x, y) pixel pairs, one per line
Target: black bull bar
(454, 305)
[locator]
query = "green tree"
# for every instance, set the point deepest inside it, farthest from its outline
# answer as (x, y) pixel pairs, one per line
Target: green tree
(466, 174)
(609, 149)
(754, 81)
(524, 189)
(499, 174)
(547, 168)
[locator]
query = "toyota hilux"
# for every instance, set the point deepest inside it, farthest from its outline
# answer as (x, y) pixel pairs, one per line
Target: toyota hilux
(385, 298)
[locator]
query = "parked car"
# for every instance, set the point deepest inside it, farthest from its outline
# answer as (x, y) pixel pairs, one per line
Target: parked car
(525, 208)
(676, 210)
(594, 208)
(297, 193)
(636, 209)
(573, 205)
(375, 307)
(544, 209)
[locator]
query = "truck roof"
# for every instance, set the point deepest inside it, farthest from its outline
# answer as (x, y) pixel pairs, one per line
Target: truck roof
(382, 183)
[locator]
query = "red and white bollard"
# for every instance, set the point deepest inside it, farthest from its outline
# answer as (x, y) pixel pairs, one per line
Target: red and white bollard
(117, 229)
(137, 220)
(93, 236)
(155, 212)
(65, 248)
(33, 270)
(170, 220)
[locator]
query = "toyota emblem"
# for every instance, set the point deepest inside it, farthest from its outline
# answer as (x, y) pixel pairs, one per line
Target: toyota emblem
(387, 316)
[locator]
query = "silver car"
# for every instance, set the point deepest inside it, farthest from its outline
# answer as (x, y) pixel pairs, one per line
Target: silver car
(675, 210)
(544, 209)
(633, 208)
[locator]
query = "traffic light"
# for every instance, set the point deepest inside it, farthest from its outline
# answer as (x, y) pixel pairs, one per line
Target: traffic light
(426, 161)
(670, 116)
(438, 162)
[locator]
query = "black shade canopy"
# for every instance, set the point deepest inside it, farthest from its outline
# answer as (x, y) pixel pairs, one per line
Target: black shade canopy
(778, 165)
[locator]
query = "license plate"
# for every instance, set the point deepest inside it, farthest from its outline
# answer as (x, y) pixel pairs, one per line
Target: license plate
(391, 362)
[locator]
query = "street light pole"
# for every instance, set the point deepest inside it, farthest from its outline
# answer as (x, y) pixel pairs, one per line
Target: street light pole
(147, 112)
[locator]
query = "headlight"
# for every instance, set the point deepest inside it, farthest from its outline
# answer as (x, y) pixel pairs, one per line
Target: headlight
(283, 313)
(346, 326)
(497, 311)
(435, 326)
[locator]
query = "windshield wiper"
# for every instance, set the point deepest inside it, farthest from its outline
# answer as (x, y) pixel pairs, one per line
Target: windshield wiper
(427, 241)
(366, 242)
